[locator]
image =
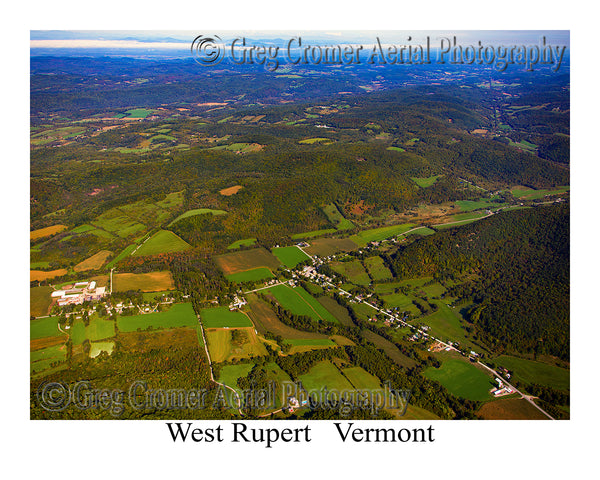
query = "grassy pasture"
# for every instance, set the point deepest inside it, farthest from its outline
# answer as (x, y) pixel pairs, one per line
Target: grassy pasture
(425, 182)
(163, 241)
(44, 359)
(229, 374)
(179, 315)
(446, 323)
(94, 262)
(124, 253)
(361, 379)
(138, 113)
(470, 205)
(396, 149)
(353, 271)
(313, 233)
(222, 317)
(390, 349)
(338, 311)
(524, 193)
(378, 234)
(325, 374)
(254, 275)
(117, 222)
(290, 256)
(146, 282)
(530, 371)
(98, 329)
(44, 327)
(377, 269)
(46, 232)
(324, 247)
(462, 379)
(40, 300)
(83, 228)
(223, 347)
(335, 217)
(298, 301)
(198, 211)
(310, 141)
(246, 260)
(98, 347)
(265, 320)
(421, 231)
(246, 242)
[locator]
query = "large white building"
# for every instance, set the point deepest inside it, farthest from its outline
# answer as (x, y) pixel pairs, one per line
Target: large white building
(80, 292)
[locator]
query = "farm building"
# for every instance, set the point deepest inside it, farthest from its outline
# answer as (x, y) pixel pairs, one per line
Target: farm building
(80, 292)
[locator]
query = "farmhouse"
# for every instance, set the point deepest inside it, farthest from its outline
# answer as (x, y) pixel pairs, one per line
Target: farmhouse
(77, 294)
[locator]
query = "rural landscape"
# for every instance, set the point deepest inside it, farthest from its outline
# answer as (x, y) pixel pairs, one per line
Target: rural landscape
(361, 229)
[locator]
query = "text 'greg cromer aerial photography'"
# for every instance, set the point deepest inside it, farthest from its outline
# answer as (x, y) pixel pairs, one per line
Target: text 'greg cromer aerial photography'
(267, 225)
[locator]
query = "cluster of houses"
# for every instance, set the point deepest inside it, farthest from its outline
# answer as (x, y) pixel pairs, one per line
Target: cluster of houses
(502, 388)
(78, 293)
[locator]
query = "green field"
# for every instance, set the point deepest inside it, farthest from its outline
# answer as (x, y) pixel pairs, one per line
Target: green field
(396, 149)
(361, 379)
(138, 113)
(198, 211)
(421, 231)
(530, 371)
(313, 234)
(339, 312)
(254, 275)
(310, 141)
(298, 301)
(377, 269)
(470, 205)
(246, 242)
(290, 256)
(353, 271)
(97, 347)
(425, 182)
(226, 344)
(325, 374)
(124, 253)
(83, 228)
(462, 219)
(221, 317)
(179, 315)
(39, 300)
(446, 324)
(41, 360)
(311, 342)
(462, 379)
(162, 241)
(335, 217)
(97, 329)
(229, 374)
(378, 234)
(44, 327)
(525, 193)
(117, 222)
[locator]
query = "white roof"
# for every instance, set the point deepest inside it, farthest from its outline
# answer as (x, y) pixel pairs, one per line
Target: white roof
(58, 293)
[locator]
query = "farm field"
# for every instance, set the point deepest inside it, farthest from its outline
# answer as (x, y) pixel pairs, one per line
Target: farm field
(530, 371)
(40, 301)
(124, 253)
(229, 374)
(510, 409)
(146, 341)
(266, 320)
(231, 190)
(227, 344)
(403, 302)
(324, 247)
(421, 231)
(377, 269)
(425, 182)
(446, 324)
(246, 242)
(94, 262)
(462, 379)
(119, 223)
(44, 359)
(46, 232)
(163, 241)
(179, 315)
(198, 211)
(254, 275)
(98, 329)
(361, 379)
(325, 374)
(337, 310)
(417, 413)
(42, 275)
(470, 205)
(353, 271)
(298, 301)
(381, 233)
(335, 217)
(312, 234)
(290, 256)
(525, 193)
(390, 349)
(222, 317)
(98, 347)
(44, 327)
(146, 282)
(236, 262)
(461, 219)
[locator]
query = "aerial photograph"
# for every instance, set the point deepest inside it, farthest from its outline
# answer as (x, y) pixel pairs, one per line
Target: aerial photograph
(299, 225)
